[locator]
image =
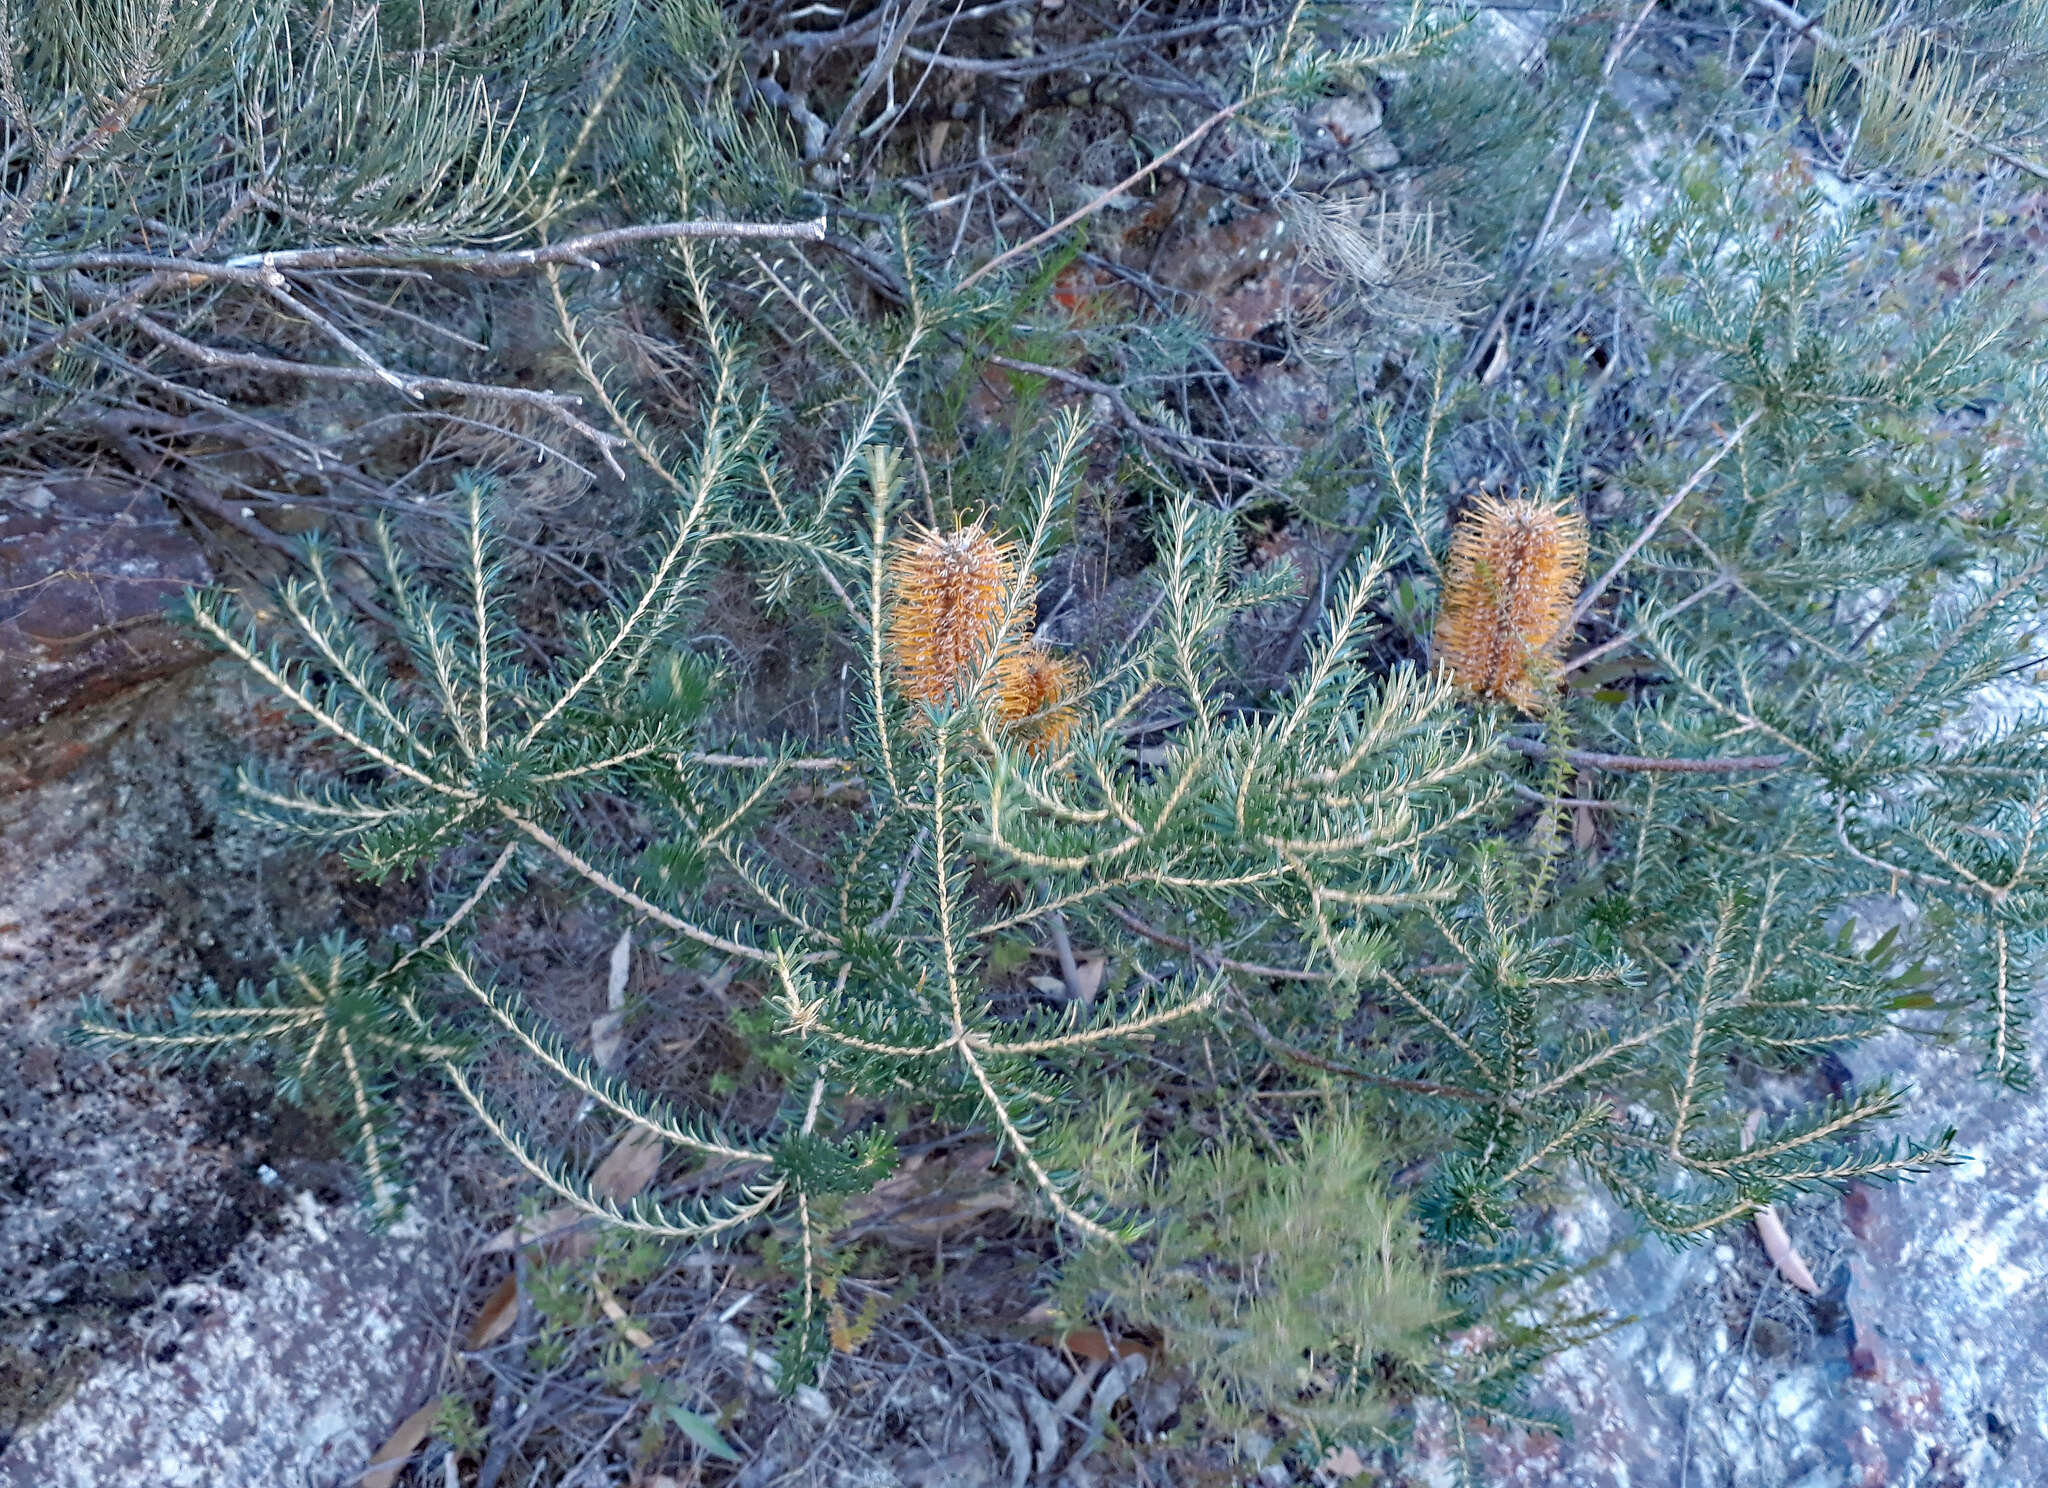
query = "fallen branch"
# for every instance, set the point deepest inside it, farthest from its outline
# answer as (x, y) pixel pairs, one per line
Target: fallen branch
(1590, 760)
(556, 405)
(583, 252)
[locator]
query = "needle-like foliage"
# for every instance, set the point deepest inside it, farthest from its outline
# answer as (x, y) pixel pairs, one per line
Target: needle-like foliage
(1572, 936)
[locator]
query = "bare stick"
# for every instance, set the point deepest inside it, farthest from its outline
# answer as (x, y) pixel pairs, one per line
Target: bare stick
(1088, 209)
(1588, 759)
(1599, 586)
(583, 251)
(1169, 442)
(883, 64)
(1223, 963)
(1587, 658)
(1070, 970)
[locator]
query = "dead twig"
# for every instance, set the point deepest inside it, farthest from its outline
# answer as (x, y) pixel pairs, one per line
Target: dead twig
(1623, 39)
(557, 405)
(1590, 760)
(1102, 199)
(1677, 499)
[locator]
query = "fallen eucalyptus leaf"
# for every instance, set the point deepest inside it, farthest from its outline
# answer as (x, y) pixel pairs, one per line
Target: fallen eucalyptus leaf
(629, 1167)
(1784, 1255)
(500, 1308)
(703, 1431)
(615, 1310)
(406, 1440)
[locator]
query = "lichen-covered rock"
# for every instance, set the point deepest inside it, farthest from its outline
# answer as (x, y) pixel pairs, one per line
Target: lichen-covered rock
(125, 879)
(288, 1367)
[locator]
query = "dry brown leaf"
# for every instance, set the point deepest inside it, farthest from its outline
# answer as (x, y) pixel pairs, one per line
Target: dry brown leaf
(628, 1167)
(406, 1440)
(1771, 1230)
(1089, 980)
(607, 1031)
(917, 1202)
(1784, 1255)
(500, 1308)
(616, 1311)
(607, 1034)
(620, 970)
(540, 1228)
(1088, 971)
(1093, 1343)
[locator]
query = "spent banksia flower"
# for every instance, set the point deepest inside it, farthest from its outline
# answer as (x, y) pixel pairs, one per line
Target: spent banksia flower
(1035, 701)
(949, 597)
(1514, 570)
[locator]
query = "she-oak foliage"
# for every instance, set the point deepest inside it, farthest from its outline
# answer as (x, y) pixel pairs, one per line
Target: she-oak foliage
(1346, 873)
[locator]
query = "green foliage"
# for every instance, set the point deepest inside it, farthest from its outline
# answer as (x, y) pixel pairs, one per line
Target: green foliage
(1294, 1286)
(338, 1034)
(1880, 558)
(1506, 950)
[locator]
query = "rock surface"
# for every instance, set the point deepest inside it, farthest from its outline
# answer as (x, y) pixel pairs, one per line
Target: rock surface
(86, 568)
(290, 1366)
(166, 1239)
(1921, 1364)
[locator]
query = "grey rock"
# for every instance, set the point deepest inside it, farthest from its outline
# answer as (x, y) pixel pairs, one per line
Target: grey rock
(159, 1255)
(1511, 40)
(1354, 120)
(294, 1377)
(1923, 1364)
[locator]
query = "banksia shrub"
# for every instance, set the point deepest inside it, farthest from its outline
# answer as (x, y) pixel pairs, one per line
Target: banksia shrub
(949, 596)
(1515, 568)
(1322, 874)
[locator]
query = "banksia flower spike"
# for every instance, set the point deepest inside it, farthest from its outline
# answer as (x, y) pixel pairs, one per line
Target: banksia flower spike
(949, 596)
(1035, 700)
(1514, 570)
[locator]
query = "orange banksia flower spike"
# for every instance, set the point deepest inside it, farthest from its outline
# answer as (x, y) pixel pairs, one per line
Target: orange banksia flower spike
(1035, 700)
(1515, 568)
(949, 596)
